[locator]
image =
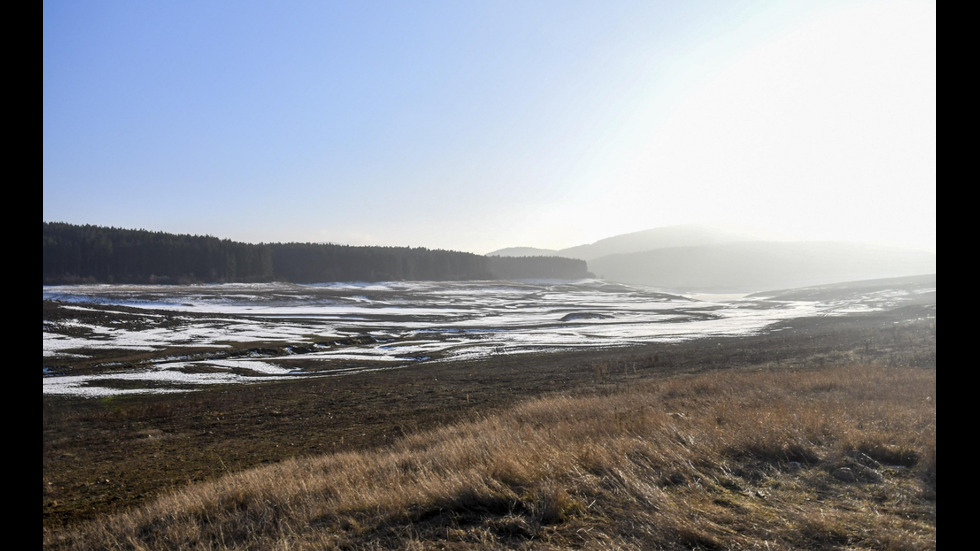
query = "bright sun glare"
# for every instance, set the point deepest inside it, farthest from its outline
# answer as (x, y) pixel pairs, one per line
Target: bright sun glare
(826, 131)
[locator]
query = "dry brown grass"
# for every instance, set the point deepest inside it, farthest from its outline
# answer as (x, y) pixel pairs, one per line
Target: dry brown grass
(835, 458)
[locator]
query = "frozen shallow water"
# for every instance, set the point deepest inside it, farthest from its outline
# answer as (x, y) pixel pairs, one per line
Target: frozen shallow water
(386, 325)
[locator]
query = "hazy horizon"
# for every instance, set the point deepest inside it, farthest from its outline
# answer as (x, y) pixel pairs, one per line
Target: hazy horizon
(484, 125)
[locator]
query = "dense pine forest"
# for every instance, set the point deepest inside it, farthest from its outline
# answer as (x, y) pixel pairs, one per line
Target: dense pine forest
(96, 254)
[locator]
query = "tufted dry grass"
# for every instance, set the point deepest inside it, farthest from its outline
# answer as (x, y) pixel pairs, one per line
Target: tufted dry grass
(832, 458)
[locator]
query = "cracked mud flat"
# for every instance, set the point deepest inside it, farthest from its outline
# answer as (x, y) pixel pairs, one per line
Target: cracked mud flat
(102, 340)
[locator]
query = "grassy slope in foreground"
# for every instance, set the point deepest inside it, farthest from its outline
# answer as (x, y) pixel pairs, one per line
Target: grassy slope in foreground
(842, 456)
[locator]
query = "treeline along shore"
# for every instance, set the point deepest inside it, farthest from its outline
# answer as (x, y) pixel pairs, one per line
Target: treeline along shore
(97, 254)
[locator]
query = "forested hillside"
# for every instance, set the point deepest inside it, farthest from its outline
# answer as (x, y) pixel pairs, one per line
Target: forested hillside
(95, 254)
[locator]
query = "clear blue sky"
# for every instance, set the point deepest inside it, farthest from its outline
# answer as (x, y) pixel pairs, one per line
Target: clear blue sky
(474, 125)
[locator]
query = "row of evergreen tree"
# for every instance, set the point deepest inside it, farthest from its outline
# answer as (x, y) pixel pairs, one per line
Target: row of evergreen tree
(97, 254)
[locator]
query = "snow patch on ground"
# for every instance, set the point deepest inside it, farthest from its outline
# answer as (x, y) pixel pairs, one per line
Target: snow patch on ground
(410, 321)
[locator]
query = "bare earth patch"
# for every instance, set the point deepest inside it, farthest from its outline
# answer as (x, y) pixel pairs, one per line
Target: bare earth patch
(821, 434)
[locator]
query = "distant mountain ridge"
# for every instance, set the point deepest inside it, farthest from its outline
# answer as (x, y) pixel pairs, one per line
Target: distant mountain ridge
(752, 266)
(684, 235)
(658, 238)
(706, 258)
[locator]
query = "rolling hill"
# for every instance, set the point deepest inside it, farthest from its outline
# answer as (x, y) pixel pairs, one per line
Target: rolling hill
(754, 266)
(685, 235)
(709, 258)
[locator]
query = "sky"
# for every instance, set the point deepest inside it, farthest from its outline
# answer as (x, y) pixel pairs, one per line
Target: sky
(484, 124)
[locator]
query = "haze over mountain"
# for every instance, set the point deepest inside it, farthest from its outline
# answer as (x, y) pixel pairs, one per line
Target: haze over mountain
(684, 235)
(761, 265)
(701, 258)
